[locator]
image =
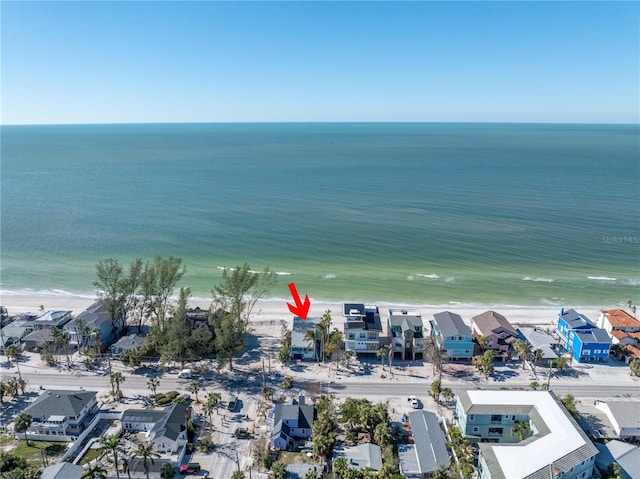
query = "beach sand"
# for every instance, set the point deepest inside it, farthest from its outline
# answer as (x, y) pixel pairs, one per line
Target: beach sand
(277, 310)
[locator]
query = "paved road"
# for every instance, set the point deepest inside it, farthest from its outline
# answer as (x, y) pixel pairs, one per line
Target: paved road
(137, 384)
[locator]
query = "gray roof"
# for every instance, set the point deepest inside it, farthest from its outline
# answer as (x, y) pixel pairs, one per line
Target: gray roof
(575, 319)
(595, 335)
(142, 415)
(429, 440)
(52, 319)
(60, 403)
(39, 336)
(93, 316)
(538, 339)
(490, 321)
(626, 413)
(402, 318)
(169, 422)
(304, 414)
(297, 471)
(451, 324)
(62, 470)
(300, 327)
(363, 455)
(127, 343)
(554, 407)
(626, 455)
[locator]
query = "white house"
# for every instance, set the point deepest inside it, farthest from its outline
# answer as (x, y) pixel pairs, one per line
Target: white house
(166, 428)
(60, 415)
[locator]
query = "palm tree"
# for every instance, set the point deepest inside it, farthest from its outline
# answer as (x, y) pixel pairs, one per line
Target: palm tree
(13, 352)
(215, 399)
(310, 337)
(3, 389)
(112, 444)
(61, 338)
(153, 384)
(482, 341)
(238, 475)
(94, 471)
(523, 348)
(447, 394)
(22, 424)
(536, 356)
(521, 428)
(194, 387)
(340, 465)
(278, 470)
(79, 331)
(146, 453)
(116, 379)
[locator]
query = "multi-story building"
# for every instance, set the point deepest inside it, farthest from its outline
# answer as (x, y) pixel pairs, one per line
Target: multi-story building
(524, 435)
(585, 341)
(60, 415)
(292, 424)
(362, 328)
(302, 347)
(623, 329)
(166, 429)
(452, 336)
(498, 331)
(406, 333)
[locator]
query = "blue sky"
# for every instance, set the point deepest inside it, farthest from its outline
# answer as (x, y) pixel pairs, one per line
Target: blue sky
(122, 62)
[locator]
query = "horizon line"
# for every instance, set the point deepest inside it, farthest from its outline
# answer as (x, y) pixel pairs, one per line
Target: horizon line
(323, 122)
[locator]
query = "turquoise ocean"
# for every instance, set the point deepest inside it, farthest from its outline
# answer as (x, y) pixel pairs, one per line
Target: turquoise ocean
(415, 213)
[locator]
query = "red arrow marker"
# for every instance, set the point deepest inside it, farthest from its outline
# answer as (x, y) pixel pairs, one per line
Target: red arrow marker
(300, 309)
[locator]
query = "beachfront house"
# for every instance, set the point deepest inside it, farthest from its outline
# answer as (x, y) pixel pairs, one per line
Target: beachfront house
(406, 333)
(523, 435)
(362, 328)
(623, 329)
(166, 428)
(539, 339)
(60, 415)
(585, 341)
(127, 344)
(498, 331)
(95, 320)
(302, 346)
(451, 335)
(292, 424)
(427, 448)
(51, 319)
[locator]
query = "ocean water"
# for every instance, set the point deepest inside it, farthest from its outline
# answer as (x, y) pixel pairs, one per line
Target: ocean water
(496, 214)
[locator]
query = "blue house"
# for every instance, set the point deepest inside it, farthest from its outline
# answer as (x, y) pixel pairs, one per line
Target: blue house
(585, 341)
(452, 335)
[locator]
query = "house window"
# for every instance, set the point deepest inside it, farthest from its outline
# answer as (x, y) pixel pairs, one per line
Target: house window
(513, 418)
(476, 429)
(496, 418)
(495, 431)
(586, 352)
(460, 338)
(472, 417)
(596, 351)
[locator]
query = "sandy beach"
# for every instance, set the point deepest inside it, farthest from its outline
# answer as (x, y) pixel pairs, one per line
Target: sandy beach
(277, 310)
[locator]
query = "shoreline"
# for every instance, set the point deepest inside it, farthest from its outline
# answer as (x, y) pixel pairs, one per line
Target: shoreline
(277, 309)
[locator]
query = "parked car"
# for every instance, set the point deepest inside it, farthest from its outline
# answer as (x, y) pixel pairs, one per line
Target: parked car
(233, 403)
(190, 468)
(415, 404)
(242, 433)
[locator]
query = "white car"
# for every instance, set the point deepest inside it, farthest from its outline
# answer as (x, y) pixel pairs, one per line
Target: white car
(415, 404)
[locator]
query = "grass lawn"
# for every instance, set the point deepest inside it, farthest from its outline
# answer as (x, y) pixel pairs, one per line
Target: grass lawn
(296, 458)
(90, 456)
(33, 453)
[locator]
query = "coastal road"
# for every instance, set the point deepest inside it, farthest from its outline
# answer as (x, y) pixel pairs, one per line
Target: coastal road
(137, 384)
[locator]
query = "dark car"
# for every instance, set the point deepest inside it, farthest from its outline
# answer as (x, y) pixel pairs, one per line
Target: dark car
(190, 468)
(242, 433)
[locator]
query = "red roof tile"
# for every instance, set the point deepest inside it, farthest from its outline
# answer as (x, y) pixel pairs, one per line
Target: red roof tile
(619, 318)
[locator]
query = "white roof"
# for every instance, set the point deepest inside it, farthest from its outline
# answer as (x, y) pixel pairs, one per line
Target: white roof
(522, 460)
